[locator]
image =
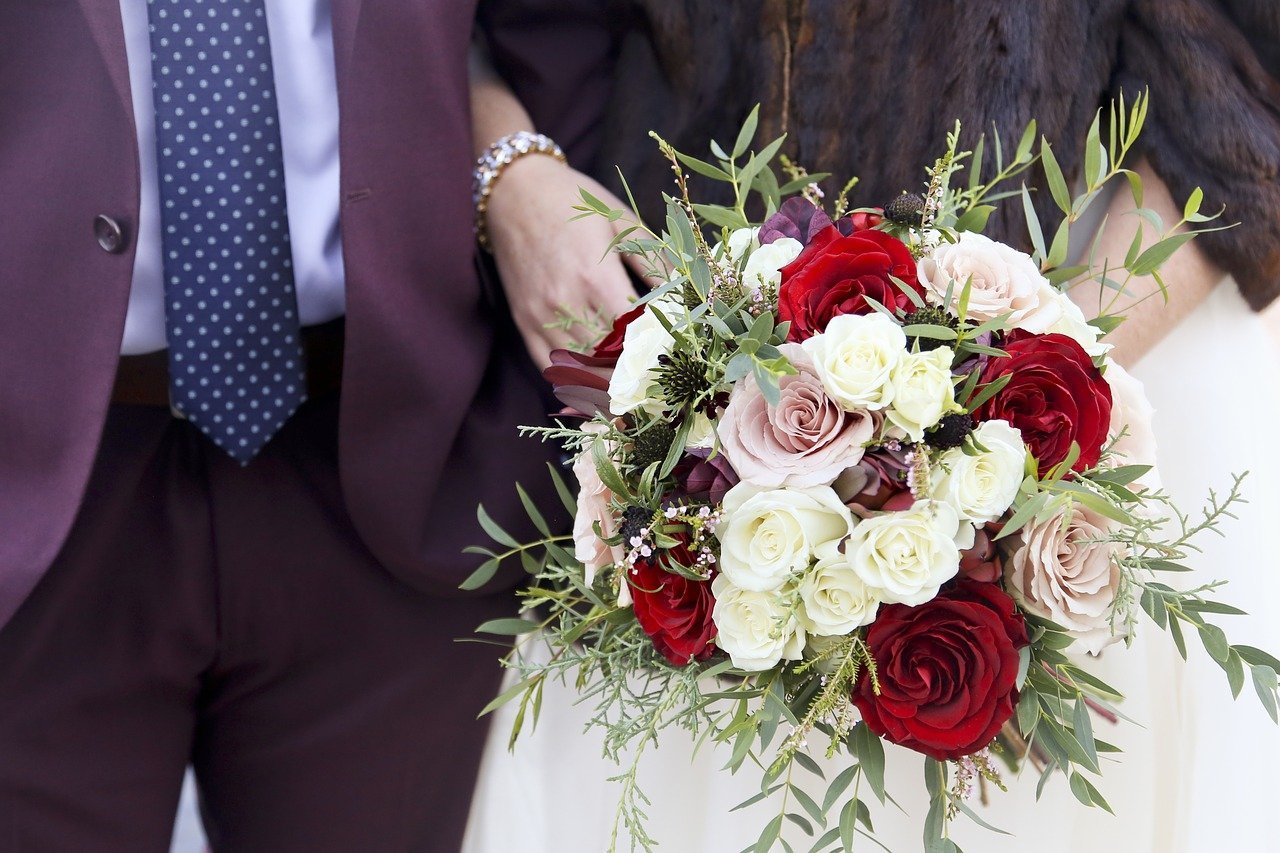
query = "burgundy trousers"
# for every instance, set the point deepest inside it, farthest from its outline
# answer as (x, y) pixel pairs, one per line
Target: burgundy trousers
(230, 618)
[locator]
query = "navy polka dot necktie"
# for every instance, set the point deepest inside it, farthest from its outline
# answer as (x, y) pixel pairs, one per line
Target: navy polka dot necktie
(236, 369)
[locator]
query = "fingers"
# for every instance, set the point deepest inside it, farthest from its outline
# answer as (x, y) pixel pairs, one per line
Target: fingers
(612, 291)
(538, 344)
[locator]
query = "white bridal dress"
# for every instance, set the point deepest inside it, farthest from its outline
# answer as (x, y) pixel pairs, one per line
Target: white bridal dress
(1199, 772)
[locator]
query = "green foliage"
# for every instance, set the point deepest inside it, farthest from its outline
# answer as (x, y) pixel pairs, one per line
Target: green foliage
(573, 629)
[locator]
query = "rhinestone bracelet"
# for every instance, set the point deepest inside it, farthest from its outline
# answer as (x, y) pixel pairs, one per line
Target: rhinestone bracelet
(490, 166)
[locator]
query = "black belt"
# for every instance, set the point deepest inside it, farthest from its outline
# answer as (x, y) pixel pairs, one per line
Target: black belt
(143, 380)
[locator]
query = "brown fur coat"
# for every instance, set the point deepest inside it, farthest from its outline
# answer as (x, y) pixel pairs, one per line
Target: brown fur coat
(870, 87)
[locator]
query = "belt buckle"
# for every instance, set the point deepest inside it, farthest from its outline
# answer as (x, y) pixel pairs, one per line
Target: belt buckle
(173, 407)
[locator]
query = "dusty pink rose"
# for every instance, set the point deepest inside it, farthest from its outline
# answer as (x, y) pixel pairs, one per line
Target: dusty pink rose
(593, 507)
(806, 440)
(1067, 573)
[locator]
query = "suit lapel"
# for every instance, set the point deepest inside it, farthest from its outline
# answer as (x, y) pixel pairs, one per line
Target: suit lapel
(346, 18)
(103, 17)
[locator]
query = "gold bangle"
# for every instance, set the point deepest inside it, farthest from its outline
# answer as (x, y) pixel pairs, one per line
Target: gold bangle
(490, 166)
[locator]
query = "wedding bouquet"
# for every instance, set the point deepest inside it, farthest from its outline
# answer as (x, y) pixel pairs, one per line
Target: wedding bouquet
(859, 476)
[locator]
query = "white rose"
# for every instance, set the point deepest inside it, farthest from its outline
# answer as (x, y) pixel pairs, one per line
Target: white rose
(642, 343)
(855, 358)
(1003, 281)
(982, 486)
(741, 241)
(768, 535)
(764, 264)
(1073, 324)
(923, 391)
(1131, 431)
(702, 433)
(905, 556)
(757, 629)
(835, 600)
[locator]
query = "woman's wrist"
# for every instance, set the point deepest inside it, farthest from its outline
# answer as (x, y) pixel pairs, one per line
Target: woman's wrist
(496, 162)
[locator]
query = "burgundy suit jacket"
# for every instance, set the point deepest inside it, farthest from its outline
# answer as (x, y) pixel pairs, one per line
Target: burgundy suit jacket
(435, 380)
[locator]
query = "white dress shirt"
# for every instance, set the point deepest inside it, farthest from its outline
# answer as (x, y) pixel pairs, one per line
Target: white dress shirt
(307, 100)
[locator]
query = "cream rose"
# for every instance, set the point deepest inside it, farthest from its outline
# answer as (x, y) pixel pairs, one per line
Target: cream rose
(982, 486)
(805, 440)
(1003, 281)
(764, 264)
(1073, 324)
(906, 556)
(766, 536)
(593, 508)
(833, 597)
(1066, 572)
(757, 629)
(644, 341)
(855, 358)
(1131, 424)
(923, 391)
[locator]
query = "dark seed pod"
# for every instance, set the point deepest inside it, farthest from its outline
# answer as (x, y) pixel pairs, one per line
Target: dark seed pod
(634, 519)
(950, 431)
(682, 377)
(929, 316)
(906, 209)
(652, 443)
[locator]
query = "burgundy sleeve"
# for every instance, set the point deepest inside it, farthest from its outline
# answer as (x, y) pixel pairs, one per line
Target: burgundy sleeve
(1215, 120)
(557, 56)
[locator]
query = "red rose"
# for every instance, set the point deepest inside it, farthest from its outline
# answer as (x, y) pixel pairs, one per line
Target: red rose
(863, 220)
(673, 610)
(611, 345)
(835, 274)
(1055, 396)
(946, 670)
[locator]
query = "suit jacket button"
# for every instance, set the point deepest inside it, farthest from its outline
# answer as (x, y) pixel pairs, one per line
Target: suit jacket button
(110, 233)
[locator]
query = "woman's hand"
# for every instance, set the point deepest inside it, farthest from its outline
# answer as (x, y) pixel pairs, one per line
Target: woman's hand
(563, 285)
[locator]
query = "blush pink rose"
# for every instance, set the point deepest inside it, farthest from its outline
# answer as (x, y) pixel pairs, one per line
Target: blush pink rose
(806, 440)
(1067, 572)
(593, 508)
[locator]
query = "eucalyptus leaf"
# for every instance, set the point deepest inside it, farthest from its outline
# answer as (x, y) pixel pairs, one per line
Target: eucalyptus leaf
(1023, 152)
(806, 802)
(1033, 226)
(869, 750)
(507, 627)
(703, 168)
(975, 218)
(838, 786)
(1093, 153)
(770, 835)
(494, 530)
(747, 133)
(1215, 642)
(1257, 657)
(481, 575)
(726, 217)
(800, 822)
(1053, 173)
(1083, 728)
